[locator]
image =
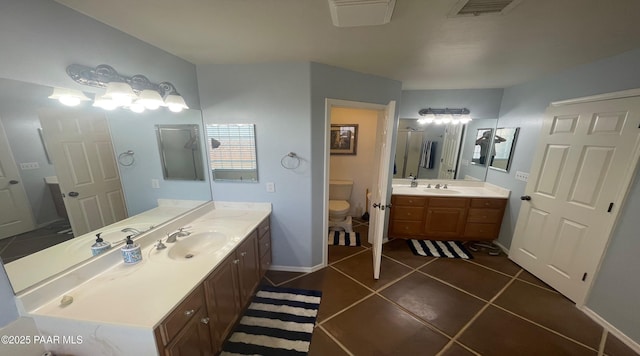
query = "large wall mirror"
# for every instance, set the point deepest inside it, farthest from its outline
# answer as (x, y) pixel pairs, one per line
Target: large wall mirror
(180, 152)
(37, 236)
(232, 152)
(432, 151)
(504, 143)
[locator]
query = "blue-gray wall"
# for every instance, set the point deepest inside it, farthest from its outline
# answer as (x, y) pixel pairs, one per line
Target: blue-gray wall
(524, 106)
(276, 98)
(329, 82)
(40, 38)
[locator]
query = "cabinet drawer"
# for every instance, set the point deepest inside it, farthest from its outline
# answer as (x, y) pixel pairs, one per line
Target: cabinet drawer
(481, 230)
(488, 203)
(448, 202)
(178, 318)
(264, 227)
(478, 215)
(264, 243)
(407, 227)
(408, 213)
(408, 200)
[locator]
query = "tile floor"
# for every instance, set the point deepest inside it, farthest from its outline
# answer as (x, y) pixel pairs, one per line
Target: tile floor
(18, 246)
(432, 306)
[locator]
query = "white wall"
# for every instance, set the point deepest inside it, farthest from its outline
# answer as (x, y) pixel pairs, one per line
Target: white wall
(523, 106)
(40, 38)
(357, 167)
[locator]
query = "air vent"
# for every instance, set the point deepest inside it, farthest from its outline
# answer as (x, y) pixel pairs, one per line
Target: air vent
(483, 7)
(351, 13)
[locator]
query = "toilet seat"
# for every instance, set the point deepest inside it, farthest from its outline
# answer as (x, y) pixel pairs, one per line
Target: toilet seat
(338, 207)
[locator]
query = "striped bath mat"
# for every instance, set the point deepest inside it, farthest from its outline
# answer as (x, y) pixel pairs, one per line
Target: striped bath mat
(342, 238)
(450, 249)
(279, 321)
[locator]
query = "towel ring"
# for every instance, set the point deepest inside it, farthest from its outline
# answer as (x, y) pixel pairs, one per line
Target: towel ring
(124, 161)
(290, 161)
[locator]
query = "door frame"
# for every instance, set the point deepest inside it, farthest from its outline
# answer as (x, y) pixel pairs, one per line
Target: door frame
(628, 177)
(329, 104)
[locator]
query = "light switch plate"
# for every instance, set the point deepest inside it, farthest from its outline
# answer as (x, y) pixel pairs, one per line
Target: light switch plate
(523, 176)
(271, 187)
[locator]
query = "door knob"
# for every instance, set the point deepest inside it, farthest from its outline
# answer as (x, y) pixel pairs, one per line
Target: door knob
(525, 197)
(14, 181)
(73, 194)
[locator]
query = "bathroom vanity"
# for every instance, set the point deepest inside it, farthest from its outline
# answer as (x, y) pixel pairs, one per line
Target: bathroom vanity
(180, 300)
(462, 211)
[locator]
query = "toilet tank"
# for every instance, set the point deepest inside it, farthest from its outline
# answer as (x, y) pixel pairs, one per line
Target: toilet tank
(340, 189)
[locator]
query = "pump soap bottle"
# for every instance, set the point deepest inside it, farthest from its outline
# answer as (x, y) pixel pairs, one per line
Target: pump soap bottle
(131, 252)
(100, 246)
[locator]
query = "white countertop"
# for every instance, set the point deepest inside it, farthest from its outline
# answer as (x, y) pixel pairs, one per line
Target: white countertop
(141, 295)
(455, 189)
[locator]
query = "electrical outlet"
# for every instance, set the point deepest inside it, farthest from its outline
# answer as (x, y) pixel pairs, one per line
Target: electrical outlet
(523, 176)
(271, 187)
(155, 184)
(29, 165)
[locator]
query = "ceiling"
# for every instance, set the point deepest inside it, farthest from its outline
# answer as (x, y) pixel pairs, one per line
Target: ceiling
(421, 46)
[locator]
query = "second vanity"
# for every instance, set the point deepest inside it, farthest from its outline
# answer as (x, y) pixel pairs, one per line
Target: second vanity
(461, 211)
(179, 300)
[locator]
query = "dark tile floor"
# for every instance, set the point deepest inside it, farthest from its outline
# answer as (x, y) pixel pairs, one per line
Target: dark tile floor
(18, 246)
(431, 306)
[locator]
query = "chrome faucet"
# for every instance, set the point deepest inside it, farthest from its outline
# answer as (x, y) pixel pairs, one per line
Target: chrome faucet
(437, 186)
(171, 238)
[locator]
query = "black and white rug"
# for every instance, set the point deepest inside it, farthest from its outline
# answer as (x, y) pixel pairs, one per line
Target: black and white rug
(450, 249)
(341, 238)
(279, 321)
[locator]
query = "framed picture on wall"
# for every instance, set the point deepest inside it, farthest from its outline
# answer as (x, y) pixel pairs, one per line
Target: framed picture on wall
(344, 139)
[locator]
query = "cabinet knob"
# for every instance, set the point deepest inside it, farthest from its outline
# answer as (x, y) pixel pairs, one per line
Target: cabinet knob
(189, 312)
(243, 254)
(235, 262)
(204, 320)
(267, 244)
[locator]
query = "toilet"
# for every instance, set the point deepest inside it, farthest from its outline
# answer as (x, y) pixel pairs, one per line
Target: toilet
(339, 194)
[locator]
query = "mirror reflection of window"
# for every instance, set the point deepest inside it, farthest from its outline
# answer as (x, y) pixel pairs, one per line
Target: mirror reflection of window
(504, 144)
(232, 152)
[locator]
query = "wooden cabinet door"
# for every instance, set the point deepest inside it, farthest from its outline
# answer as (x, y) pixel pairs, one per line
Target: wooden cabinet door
(248, 268)
(193, 340)
(445, 222)
(223, 299)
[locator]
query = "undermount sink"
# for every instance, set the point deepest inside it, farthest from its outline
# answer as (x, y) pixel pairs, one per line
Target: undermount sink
(441, 191)
(196, 245)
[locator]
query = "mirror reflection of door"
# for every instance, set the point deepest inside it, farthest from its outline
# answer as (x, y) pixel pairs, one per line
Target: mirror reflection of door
(80, 147)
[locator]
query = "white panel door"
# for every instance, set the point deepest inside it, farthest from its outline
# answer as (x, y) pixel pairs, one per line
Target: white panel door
(80, 147)
(15, 212)
(379, 201)
(450, 150)
(583, 165)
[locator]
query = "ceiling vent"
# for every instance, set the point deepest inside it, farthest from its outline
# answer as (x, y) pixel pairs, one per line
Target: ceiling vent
(483, 7)
(351, 13)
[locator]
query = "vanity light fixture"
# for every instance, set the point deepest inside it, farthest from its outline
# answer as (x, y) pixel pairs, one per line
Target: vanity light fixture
(444, 116)
(69, 97)
(136, 93)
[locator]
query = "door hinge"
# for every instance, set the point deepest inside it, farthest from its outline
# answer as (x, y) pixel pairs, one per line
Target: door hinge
(610, 207)
(584, 277)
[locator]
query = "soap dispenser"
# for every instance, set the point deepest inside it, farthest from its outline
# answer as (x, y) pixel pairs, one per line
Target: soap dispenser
(131, 253)
(100, 246)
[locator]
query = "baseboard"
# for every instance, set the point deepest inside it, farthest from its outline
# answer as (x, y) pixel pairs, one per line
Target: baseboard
(612, 329)
(44, 224)
(296, 269)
